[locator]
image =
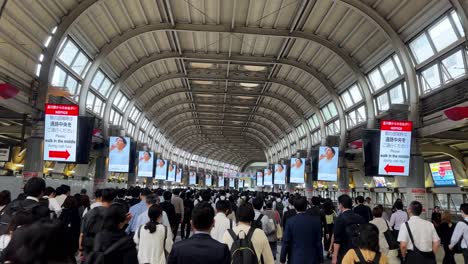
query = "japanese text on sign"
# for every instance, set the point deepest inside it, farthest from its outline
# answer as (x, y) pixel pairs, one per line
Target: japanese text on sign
(395, 147)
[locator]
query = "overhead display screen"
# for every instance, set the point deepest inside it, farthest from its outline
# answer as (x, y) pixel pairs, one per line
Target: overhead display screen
(328, 164)
(260, 178)
(161, 169)
(178, 176)
(380, 182)
(442, 174)
(119, 154)
(280, 174)
(208, 180)
(171, 171)
(192, 178)
(145, 164)
(232, 182)
(220, 181)
(395, 147)
(297, 170)
(268, 177)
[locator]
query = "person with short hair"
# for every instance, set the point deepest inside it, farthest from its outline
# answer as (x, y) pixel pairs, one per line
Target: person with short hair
(461, 232)
(179, 210)
(200, 248)
(266, 225)
(5, 199)
(367, 245)
(62, 192)
(222, 223)
(151, 200)
(398, 218)
(362, 210)
(70, 219)
(54, 206)
(423, 237)
(136, 211)
(169, 208)
(383, 225)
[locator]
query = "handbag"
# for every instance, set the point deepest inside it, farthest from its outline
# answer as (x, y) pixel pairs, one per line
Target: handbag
(279, 232)
(418, 256)
(457, 249)
(391, 239)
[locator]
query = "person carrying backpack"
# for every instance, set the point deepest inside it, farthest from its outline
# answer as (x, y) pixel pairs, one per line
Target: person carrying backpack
(460, 234)
(248, 245)
(366, 249)
(261, 221)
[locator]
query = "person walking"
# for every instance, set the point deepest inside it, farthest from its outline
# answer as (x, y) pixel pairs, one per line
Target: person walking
(461, 233)
(445, 231)
(383, 226)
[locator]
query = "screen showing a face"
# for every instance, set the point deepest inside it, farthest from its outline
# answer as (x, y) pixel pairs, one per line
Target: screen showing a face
(297, 170)
(178, 176)
(119, 154)
(161, 169)
(328, 164)
(280, 174)
(145, 163)
(267, 177)
(171, 171)
(380, 182)
(260, 178)
(220, 181)
(192, 178)
(208, 180)
(442, 174)
(232, 182)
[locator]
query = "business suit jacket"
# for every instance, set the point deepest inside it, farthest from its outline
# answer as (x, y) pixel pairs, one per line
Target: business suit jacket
(364, 211)
(302, 240)
(200, 249)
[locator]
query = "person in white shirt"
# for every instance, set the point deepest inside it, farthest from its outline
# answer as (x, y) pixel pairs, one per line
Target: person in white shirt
(398, 218)
(144, 218)
(383, 226)
(461, 232)
(154, 240)
(418, 234)
(53, 203)
(222, 223)
(97, 202)
(63, 191)
(268, 225)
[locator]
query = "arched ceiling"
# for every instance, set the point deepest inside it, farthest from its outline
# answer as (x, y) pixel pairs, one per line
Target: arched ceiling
(216, 76)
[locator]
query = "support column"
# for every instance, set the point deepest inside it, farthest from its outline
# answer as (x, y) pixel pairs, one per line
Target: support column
(100, 176)
(343, 177)
(34, 163)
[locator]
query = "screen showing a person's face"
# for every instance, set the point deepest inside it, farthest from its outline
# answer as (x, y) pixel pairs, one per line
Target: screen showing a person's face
(329, 154)
(328, 164)
(146, 156)
(119, 154)
(161, 163)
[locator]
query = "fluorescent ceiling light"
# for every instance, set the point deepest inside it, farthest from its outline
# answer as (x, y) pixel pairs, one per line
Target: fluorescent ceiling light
(253, 68)
(245, 97)
(241, 107)
(203, 82)
(249, 84)
(205, 95)
(206, 105)
(201, 65)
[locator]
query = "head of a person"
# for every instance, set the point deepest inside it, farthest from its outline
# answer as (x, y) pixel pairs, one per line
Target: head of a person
(161, 163)
(300, 204)
(121, 143)
(98, 195)
(66, 189)
(446, 217)
(464, 209)
(203, 217)
(367, 237)
(167, 196)
(398, 205)
(368, 200)
(176, 191)
(223, 206)
(415, 208)
(146, 155)
(69, 203)
(85, 202)
(121, 193)
(49, 191)
(345, 202)
(155, 214)
(151, 199)
(329, 153)
(377, 212)
(328, 207)
(257, 203)
(280, 168)
(298, 163)
(115, 217)
(108, 196)
(436, 209)
(359, 200)
(206, 195)
(144, 192)
(83, 192)
(5, 197)
(245, 213)
(268, 205)
(315, 201)
(135, 193)
(20, 219)
(291, 200)
(35, 187)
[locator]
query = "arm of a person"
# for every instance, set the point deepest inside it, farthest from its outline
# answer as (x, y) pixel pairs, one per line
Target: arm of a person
(403, 248)
(182, 211)
(169, 242)
(336, 248)
(435, 240)
(287, 237)
(457, 234)
(392, 220)
(136, 237)
(403, 238)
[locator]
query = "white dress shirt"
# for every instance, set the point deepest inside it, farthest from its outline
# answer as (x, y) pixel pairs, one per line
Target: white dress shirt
(54, 206)
(222, 223)
(143, 218)
(424, 234)
(61, 198)
(150, 245)
(461, 231)
(397, 219)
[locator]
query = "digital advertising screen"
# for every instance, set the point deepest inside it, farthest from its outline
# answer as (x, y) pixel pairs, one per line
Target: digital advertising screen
(267, 177)
(145, 164)
(171, 171)
(208, 180)
(192, 178)
(280, 174)
(232, 182)
(297, 170)
(442, 174)
(179, 173)
(395, 147)
(380, 182)
(260, 178)
(161, 169)
(220, 181)
(119, 154)
(328, 164)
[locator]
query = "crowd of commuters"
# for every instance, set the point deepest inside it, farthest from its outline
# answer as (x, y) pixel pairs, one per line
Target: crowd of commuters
(139, 225)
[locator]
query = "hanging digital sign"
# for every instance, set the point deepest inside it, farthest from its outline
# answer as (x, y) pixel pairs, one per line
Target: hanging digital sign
(119, 154)
(328, 164)
(145, 163)
(395, 147)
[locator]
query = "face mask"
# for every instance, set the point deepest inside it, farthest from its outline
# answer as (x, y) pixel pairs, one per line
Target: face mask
(278, 200)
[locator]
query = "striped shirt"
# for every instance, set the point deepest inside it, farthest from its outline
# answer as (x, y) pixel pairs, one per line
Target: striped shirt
(397, 219)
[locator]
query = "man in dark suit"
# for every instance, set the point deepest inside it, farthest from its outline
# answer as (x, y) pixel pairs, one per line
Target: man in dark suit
(200, 248)
(169, 208)
(363, 210)
(302, 240)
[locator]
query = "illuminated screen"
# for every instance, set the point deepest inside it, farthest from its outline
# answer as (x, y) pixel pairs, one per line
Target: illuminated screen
(119, 154)
(280, 174)
(208, 180)
(192, 178)
(297, 170)
(328, 164)
(267, 177)
(442, 174)
(380, 182)
(145, 163)
(178, 176)
(232, 182)
(220, 181)
(171, 171)
(161, 169)
(260, 178)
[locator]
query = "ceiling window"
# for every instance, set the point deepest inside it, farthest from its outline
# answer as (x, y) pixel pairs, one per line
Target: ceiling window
(394, 95)
(115, 117)
(121, 101)
(141, 135)
(134, 114)
(316, 137)
(453, 66)
(356, 117)
(95, 104)
(329, 111)
(385, 73)
(145, 123)
(101, 83)
(74, 57)
(333, 128)
(351, 96)
(313, 122)
(62, 78)
(130, 128)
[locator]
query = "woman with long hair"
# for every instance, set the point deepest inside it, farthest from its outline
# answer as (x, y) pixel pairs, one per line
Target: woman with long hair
(330, 217)
(154, 240)
(445, 231)
(367, 248)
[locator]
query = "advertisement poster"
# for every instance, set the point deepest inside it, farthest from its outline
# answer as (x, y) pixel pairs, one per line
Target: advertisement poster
(171, 171)
(232, 182)
(297, 170)
(208, 180)
(268, 177)
(220, 181)
(260, 178)
(192, 178)
(161, 169)
(280, 174)
(328, 164)
(145, 164)
(119, 154)
(179, 175)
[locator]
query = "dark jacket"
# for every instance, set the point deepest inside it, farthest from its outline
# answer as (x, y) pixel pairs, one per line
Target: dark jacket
(302, 240)
(188, 207)
(70, 220)
(341, 237)
(317, 211)
(125, 254)
(200, 249)
(364, 211)
(169, 208)
(287, 215)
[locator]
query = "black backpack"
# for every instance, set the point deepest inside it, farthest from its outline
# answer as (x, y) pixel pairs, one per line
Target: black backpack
(258, 223)
(14, 208)
(352, 233)
(242, 250)
(99, 257)
(362, 260)
(94, 227)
